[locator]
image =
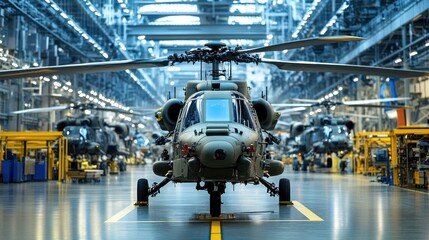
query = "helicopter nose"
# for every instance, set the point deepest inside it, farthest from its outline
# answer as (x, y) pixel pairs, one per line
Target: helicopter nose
(218, 154)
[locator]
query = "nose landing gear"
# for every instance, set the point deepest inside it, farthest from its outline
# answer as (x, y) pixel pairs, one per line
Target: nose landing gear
(215, 189)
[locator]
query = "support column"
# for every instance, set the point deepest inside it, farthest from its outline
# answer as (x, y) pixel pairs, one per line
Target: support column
(405, 58)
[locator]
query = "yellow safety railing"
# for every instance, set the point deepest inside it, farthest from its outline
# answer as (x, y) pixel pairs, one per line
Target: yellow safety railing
(21, 142)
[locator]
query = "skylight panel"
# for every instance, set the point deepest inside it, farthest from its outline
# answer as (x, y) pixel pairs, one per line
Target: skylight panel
(246, 8)
(177, 20)
(237, 20)
(169, 8)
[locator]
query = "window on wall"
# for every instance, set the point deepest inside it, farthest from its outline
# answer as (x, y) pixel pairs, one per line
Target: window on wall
(3, 101)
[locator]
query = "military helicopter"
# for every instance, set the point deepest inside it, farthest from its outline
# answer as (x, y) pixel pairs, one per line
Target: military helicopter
(327, 133)
(218, 133)
(89, 133)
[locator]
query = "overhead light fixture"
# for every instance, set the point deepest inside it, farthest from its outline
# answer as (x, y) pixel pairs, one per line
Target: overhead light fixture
(355, 79)
(413, 53)
(305, 18)
(398, 60)
(334, 18)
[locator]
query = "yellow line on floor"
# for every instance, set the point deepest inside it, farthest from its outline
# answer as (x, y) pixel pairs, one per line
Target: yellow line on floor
(307, 212)
(415, 191)
(121, 214)
(215, 233)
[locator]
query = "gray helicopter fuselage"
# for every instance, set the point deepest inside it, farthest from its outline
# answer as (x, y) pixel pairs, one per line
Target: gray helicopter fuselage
(218, 137)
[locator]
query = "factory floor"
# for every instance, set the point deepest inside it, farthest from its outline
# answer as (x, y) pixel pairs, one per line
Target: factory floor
(326, 206)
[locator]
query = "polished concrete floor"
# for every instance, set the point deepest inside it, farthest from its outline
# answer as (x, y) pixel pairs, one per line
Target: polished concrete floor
(327, 206)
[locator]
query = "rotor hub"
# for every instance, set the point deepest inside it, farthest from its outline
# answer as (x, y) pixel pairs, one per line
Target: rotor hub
(215, 46)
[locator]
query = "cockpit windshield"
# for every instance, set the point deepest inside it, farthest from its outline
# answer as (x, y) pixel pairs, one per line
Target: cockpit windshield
(217, 110)
(241, 111)
(76, 132)
(329, 131)
(233, 109)
(192, 112)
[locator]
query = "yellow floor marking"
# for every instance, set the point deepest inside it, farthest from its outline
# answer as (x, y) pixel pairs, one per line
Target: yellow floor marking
(121, 214)
(215, 231)
(416, 191)
(311, 216)
(307, 212)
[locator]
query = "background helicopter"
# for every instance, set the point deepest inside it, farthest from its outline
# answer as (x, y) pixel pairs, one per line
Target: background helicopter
(88, 132)
(212, 146)
(326, 133)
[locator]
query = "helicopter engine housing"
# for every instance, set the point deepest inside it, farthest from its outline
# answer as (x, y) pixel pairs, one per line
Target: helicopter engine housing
(296, 128)
(266, 115)
(121, 129)
(169, 114)
(65, 122)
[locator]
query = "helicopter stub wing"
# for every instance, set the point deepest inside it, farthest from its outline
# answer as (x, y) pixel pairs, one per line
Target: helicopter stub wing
(301, 43)
(40, 110)
(107, 66)
(344, 68)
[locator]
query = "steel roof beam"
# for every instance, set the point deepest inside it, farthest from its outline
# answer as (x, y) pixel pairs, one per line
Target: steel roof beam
(198, 32)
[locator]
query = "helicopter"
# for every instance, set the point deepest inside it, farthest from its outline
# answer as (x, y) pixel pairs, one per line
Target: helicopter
(218, 134)
(89, 133)
(327, 133)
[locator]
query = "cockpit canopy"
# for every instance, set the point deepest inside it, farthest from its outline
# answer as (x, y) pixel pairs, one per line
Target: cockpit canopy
(217, 107)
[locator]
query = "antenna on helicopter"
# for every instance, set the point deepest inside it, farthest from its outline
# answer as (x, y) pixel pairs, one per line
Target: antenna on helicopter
(266, 93)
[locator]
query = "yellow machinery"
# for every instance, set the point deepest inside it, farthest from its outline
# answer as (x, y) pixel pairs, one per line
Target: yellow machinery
(21, 143)
(410, 160)
(367, 145)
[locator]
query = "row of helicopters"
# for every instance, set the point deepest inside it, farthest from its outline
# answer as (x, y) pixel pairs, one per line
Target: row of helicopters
(89, 134)
(326, 133)
(218, 133)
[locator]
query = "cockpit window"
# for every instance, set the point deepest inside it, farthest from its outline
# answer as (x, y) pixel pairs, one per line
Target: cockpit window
(76, 132)
(217, 110)
(242, 112)
(327, 131)
(192, 113)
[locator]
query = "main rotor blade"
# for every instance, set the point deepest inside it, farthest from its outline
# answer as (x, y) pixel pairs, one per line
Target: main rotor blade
(292, 110)
(39, 110)
(345, 68)
(305, 100)
(380, 106)
(114, 109)
(380, 100)
(356, 115)
(291, 105)
(83, 68)
(301, 43)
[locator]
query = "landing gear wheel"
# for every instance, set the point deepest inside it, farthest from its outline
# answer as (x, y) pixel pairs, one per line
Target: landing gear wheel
(284, 192)
(215, 203)
(142, 192)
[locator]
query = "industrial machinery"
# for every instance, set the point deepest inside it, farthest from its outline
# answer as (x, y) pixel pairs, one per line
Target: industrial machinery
(410, 160)
(373, 155)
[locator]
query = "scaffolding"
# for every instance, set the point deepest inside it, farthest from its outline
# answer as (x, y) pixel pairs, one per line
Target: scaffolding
(21, 143)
